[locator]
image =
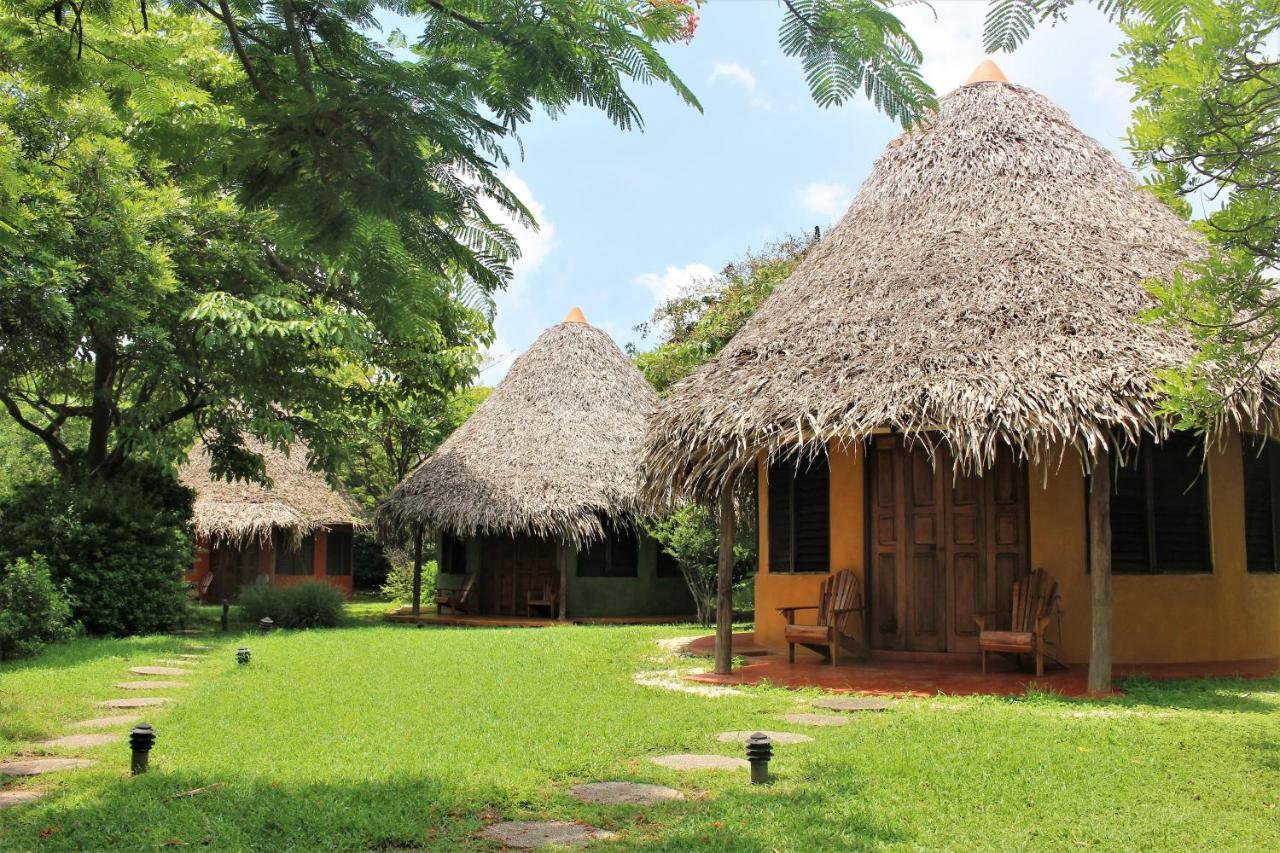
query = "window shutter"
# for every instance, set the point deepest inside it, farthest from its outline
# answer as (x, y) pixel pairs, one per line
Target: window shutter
(1129, 543)
(780, 476)
(622, 553)
(1179, 497)
(812, 514)
(1260, 460)
(592, 561)
(337, 560)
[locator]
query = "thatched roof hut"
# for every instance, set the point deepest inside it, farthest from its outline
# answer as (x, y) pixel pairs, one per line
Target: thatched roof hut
(299, 501)
(984, 286)
(554, 448)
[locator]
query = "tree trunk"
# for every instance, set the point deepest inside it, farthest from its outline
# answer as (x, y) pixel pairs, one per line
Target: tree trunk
(417, 570)
(724, 583)
(562, 560)
(1100, 575)
(101, 409)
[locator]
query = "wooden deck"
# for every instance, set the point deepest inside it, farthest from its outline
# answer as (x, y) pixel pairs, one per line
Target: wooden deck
(482, 621)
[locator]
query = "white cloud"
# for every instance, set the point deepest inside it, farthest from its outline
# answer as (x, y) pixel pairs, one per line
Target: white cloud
(829, 200)
(742, 76)
(675, 281)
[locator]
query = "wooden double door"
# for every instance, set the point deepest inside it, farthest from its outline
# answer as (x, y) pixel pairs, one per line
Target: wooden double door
(942, 547)
(513, 567)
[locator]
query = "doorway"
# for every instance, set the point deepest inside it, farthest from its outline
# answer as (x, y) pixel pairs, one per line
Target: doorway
(942, 547)
(515, 566)
(233, 567)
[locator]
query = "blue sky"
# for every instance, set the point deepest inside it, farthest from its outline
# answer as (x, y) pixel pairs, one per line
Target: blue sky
(629, 217)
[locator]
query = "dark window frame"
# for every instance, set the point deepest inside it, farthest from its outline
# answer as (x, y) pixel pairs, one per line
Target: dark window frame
(1261, 452)
(666, 566)
(292, 557)
(1146, 458)
(332, 542)
(609, 566)
(451, 548)
(788, 472)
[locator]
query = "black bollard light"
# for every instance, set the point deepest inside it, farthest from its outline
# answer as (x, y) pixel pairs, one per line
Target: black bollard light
(242, 655)
(141, 739)
(265, 624)
(759, 751)
(226, 610)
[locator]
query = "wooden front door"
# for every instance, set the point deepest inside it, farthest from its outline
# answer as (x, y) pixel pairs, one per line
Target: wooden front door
(942, 547)
(233, 567)
(512, 568)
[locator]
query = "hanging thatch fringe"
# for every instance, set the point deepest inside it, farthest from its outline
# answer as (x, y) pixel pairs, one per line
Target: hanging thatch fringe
(552, 450)
(983, 288)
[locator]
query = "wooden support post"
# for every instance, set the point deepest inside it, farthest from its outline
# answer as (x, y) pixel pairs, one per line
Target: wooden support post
(562, 559)
(417, 570)
(1100, 575)
(724, 586)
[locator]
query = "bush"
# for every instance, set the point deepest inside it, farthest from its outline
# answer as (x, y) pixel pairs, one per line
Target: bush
(120, 548)
(399, 584)
(310, 604)
(33, 609)
(691, 535)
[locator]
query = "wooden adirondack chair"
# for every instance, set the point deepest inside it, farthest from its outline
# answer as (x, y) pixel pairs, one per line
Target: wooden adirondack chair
(839, 599)
(1035, 606)
(546, 598)
(455, 599)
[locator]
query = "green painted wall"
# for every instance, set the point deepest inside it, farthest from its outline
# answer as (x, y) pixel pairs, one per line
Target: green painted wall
(646, 594)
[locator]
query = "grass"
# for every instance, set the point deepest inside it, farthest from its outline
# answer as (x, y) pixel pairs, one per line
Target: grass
(386, 737)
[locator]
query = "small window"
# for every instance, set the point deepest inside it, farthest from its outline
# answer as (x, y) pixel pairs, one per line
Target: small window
(295, 561)
(611, 557)
(337, 562)
(1159, 510)
(800, 516)
(453, 555)
(1261, 502)
(667, 565)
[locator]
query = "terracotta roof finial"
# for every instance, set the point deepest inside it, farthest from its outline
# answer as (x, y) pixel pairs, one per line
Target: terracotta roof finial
(986, 72)
(576, 316)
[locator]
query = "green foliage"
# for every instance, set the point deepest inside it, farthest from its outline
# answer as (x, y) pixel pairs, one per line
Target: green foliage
(852, 47)
(370, 565)
(33, 609)
(1009, 23)
(691, 535)
(309, 604)
(120, 548)
(694, 326)
(399, 584)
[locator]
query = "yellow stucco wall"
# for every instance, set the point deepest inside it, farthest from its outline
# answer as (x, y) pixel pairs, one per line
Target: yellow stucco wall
(1224, 615)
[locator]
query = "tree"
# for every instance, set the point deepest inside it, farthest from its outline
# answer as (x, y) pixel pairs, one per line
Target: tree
(691, 536)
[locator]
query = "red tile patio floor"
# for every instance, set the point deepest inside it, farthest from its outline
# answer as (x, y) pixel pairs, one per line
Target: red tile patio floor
(887, 676)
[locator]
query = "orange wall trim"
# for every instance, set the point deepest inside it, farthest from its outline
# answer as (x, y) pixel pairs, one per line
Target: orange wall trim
(1226, 614)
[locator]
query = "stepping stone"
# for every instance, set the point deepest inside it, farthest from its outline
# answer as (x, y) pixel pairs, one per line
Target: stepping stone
(194, 647)
(852, 703)
(140, 702)
(18, 796)
(82, 740)
(172, 662)
(816, 719)
(36, 766)
(107, 722)
(540, 833)
(193, 657)
(149, 685)
(688, 761)
(776, 737)
(160, 670)
(624, 793)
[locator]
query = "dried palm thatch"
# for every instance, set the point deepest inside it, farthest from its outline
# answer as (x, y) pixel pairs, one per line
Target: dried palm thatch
(984, 287)
(555, 447)
(299, 501)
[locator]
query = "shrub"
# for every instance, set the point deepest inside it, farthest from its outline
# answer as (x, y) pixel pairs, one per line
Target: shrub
(33, 609)
(120, 547)
(399, 584)
(691, 535)
(310, 604)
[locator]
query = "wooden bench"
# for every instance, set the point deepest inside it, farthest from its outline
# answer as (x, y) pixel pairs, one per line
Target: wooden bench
(838, 600)
(545, 599)
(1035, 606)
(455, 599)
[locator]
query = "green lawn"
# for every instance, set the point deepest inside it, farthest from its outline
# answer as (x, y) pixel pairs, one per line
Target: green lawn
(390, 737)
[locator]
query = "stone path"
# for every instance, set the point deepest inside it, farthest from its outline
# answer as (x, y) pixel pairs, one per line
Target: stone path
(140, 702)
(82, 740)
(852, 703)
(37, 766)
(149, 685)
(816, 719)
(161, 670)
(193, 657)
(107, 722)
(540, 833)
(173, 662)
(776, 737)
(624, 793)
(18, 796)
(690, 761)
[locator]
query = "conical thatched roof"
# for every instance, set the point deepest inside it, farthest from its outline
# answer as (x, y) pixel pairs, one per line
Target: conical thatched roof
(298, 502)
(984, 286)
(553, 448)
